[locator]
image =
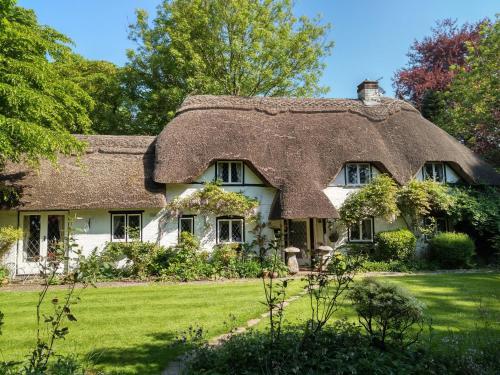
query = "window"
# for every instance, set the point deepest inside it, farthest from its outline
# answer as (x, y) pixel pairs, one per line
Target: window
(230, 172)
(186, 224)
(126, 227)
(31, 237)
(357, 174)
(434, 172)
(362, 231)
(230, 230)
(436, 224)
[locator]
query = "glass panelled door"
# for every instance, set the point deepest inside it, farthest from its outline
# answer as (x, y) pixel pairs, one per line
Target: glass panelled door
(42, 234)
(298, 236)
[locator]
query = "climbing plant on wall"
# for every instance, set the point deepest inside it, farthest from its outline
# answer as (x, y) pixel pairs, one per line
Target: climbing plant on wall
(212, 200)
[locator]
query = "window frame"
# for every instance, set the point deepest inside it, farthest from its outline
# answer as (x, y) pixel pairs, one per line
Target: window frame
(185, 217)
(126, 214)
(230, 163)
(360, 227)
(434, 163)
(230, 219)
(358, 178)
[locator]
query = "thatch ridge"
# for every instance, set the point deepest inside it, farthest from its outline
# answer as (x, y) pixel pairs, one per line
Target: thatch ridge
(300, 145)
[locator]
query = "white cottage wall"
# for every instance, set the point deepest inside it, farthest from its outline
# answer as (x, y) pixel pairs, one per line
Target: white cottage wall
(205, 227)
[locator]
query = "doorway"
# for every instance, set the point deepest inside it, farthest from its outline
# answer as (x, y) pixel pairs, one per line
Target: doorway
(42, 234)
(298, 236)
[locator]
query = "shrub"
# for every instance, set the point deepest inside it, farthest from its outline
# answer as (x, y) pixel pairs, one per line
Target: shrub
(4, 275)
(144, 259)
(339, 350)
(452, 250)
(8, 236)
(98, 267)
(386, 311)
(391, 266)
(395, 245)
(187, 262)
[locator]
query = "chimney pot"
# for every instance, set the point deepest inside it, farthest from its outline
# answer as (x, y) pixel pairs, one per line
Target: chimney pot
(368, 92)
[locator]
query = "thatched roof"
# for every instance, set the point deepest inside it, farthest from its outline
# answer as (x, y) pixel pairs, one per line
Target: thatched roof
(300, 145)
(115, 173)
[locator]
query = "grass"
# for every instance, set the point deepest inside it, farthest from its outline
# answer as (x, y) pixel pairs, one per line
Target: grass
(129, 330)
(455, 302)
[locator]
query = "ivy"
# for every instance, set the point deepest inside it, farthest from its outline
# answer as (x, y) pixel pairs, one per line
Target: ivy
(213, 200)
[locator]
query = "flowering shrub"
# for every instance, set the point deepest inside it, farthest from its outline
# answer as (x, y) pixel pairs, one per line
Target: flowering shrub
(213, 200)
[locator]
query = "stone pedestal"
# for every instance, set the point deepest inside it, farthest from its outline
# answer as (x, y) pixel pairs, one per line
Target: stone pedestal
(292, 263)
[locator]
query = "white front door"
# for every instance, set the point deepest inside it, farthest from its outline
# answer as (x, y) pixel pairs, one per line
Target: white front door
(42, 232)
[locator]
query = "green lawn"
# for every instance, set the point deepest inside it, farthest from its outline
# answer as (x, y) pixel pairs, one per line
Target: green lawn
(128, 330)
(453, 301)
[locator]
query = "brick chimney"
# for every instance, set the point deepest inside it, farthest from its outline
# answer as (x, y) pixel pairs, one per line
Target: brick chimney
(368, 92)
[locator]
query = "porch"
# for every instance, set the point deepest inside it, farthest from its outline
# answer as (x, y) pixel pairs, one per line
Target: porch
(307, 234)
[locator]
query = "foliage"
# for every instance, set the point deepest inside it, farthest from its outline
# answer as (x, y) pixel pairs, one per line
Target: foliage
(39, 107)
(341, 350)
(476, 211)
(472, 100)
(55, 328)
(398, 266)
(143, 259)
(212, 200)
(385, 266)
(376, 199)
(387, 312)
(419, 199)
(428, 71)
(395, 245)
(8, 237)
(101, 80)
(187, 261)
(324, 288)
(237, 47)
(228, 262)
(4, 274)
(452, 250)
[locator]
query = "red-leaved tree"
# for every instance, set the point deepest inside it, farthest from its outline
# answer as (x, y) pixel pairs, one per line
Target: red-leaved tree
(428, 69)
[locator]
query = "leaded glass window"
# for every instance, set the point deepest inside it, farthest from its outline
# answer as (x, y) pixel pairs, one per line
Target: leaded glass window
(55, 233)
(230, 230)
(358, 173)
(31, 238)
(186, 224)
(434, 172)
(230, 172)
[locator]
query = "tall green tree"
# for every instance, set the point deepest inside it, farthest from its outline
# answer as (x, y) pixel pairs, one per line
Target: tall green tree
(472, 102)
(39, 107)
(232, 47)
(101, 80)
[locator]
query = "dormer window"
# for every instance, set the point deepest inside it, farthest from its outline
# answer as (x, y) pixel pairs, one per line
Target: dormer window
(358, 173)
(434, 172)
(230, 172)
